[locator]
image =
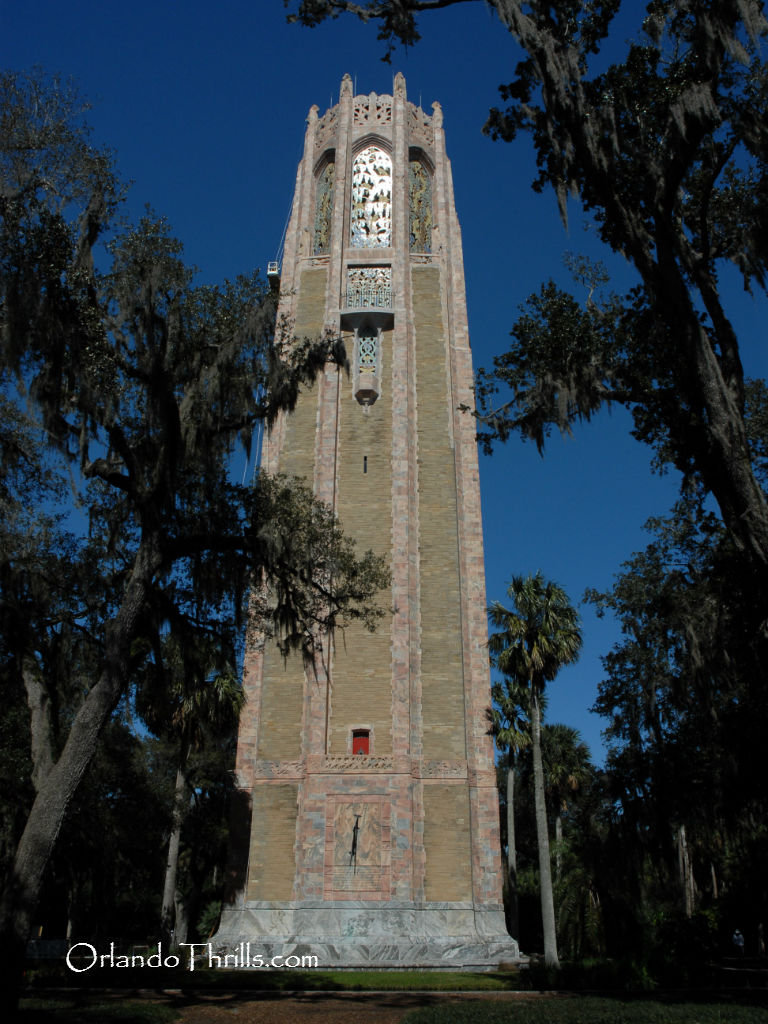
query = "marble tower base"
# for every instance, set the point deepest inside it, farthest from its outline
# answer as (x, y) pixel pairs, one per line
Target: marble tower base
(346, 934)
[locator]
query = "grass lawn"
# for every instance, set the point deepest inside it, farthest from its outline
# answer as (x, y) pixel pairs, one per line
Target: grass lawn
(95, 1009)
(57, 975)
(590, 1010)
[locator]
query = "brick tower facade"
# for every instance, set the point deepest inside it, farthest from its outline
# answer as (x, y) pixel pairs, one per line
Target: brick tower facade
(371, 831)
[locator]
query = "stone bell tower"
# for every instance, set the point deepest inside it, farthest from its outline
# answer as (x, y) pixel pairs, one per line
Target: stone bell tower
(370, 822)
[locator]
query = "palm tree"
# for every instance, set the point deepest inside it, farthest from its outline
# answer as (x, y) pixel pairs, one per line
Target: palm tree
(511, 731)
(538, 636)
(567, 766)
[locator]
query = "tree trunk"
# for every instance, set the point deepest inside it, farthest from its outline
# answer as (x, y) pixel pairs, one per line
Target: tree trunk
(40, 725)
(687, 883)
(559, 844)
(22, 889)
(181, 927)
(172, 864)
(720, 439)
(514, 910)
(542, 834)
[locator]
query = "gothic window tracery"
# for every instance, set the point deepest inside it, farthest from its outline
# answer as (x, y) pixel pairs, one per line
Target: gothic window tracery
(371, 213)
(420, 206)
(324, 209)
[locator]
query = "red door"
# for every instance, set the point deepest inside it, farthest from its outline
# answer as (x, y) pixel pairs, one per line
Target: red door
(361, 741)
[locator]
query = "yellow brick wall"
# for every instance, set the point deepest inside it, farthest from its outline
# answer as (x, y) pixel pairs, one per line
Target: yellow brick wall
(272, 863)
(447, 843)
(362, 692)
(298, 452)
(283, 686)
(442, 681)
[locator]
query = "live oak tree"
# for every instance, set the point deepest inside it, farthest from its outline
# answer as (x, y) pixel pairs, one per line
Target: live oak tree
(190, 696)
(141, 383)
(667, 151)
(682, 696)
(106, 869)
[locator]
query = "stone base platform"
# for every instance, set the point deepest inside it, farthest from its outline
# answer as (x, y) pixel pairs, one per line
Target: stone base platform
(342, 934)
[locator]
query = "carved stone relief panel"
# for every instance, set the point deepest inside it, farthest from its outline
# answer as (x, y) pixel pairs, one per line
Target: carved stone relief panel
(371, 199)
(444, 770)
(357, 848)
(372, 109)
(326, 128)
(278, 769)
(355, 763)
(419, 126)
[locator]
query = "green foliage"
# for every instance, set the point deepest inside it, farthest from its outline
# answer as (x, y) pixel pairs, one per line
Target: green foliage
(665, 150)
(684, 806)
(538, 636)
(105, 874)
(209, 919)
(397, 20)
(562, 366)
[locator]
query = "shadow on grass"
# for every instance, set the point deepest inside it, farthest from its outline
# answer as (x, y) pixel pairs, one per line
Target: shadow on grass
(418, 1007)
(572, 1008)
(94, 1007)
(91, 1009)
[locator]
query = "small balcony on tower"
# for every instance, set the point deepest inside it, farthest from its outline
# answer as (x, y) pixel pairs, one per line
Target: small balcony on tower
(368, 297)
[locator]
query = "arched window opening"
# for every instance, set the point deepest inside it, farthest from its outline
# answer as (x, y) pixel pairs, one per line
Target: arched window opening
(371, 213)
(420, 206)
(324, 209)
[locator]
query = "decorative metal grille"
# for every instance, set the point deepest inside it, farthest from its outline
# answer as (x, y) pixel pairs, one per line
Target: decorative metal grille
(366, 354)
(323, 210)
(420, 212)
(369, 288)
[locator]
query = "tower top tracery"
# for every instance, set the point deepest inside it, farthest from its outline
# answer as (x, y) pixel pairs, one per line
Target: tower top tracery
(372, 112)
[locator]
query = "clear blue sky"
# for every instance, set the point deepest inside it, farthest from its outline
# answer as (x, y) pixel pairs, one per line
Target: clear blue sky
(205, 105)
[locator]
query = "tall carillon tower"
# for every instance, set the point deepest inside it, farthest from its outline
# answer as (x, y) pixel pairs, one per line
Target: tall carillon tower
(370, 828)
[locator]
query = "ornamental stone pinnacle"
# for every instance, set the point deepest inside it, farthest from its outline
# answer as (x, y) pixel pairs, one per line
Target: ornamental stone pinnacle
(366, 824)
